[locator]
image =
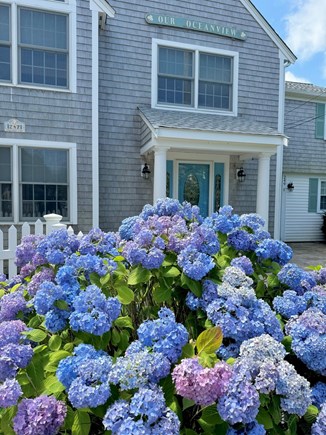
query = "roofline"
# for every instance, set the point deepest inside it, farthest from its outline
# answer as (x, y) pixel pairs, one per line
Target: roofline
(287, 52)
(105, 7)
(297, 94)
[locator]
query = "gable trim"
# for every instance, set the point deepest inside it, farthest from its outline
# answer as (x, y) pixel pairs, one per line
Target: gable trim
(287, 52)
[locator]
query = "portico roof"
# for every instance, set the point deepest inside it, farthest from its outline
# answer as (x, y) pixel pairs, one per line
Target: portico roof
(213, 131)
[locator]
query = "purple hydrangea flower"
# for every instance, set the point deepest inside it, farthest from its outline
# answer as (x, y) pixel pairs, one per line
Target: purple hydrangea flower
(26, 251)
(10, 392)
(10, 332)
(40, 416)
(11, 304)
(45, 274)
(202, 385)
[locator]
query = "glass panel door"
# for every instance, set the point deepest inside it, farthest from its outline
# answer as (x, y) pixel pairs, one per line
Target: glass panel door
(193, 185)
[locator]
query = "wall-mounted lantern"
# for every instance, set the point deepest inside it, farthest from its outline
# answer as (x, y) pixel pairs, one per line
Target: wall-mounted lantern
(241, 175)
(145, 171)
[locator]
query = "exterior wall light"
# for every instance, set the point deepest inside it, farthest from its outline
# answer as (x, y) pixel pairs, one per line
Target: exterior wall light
(241, 175)
(145, 171)
(290, 186)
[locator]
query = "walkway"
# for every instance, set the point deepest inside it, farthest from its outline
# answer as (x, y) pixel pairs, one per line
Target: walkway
(308, 253)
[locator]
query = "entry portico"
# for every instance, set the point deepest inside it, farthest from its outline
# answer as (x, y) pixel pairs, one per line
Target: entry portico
(198, 138)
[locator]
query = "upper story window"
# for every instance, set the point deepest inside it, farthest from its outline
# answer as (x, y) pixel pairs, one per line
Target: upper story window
(192, 77)
(320, 121)
(37, 46)
(43, 48)
(5, 43)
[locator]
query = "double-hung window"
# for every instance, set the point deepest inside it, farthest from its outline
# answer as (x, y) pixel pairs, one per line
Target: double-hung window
(5, 43)
(38, 43)
(37, 178)
(192, 77)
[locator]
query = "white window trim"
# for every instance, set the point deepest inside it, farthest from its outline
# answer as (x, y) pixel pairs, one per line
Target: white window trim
(68, 7)
(320, 210)
(15, 144)
(196, 48)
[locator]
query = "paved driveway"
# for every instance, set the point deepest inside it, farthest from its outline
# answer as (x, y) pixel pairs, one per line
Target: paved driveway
(308, 254)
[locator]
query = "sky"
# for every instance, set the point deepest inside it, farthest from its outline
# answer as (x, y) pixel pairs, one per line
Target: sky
(302, 25)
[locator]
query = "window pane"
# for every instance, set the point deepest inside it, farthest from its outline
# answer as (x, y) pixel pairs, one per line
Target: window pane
(214, 95)
(43, 47)
(4, 23)
(175, 62)
(5, 200)
(44, 175)
(4, 63)
(5, 164)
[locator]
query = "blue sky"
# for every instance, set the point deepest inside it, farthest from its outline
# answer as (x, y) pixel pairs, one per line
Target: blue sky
(302, 25)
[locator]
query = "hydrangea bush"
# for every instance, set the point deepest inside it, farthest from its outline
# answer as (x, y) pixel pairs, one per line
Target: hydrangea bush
(176, 324)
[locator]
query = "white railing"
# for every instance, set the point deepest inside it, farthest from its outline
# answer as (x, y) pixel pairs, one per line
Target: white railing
(52, 222)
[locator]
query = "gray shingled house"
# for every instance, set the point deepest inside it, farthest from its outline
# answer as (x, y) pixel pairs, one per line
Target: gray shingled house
(92, 93)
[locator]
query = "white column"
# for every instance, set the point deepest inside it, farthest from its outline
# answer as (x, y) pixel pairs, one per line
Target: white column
(263, 186)
(159, 190)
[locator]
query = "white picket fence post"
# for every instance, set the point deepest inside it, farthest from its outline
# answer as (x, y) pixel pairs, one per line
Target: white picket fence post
(52, 223)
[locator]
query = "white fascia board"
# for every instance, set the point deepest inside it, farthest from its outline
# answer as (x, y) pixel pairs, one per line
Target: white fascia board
(102, 6)
(149, 125)
(288, 54)
(217, 136)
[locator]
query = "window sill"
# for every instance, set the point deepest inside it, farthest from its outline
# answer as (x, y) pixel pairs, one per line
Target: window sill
(37, 88)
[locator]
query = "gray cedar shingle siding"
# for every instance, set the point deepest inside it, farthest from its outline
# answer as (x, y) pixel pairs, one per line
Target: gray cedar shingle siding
(59, 116)
(125, 83)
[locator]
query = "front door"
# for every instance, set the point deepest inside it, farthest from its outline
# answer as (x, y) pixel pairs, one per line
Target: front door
(193, 185)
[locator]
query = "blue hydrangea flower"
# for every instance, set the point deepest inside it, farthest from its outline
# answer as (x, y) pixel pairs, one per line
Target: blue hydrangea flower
(164, 335)
(56, 320)
(67, 370)
(274, 250)
(93, 312)
(148, 403)
(138, 369)
(204, 239)
(252, 220)
(243, 263)
(57, 246)
(319, 394)
(195, 264)
(240, 404)
(308, 333)
(294, 390)
(91, 388)
(296, 278)
(115, 415)
(46, 297)
(319, 427)
(289, 304)
(239, 240)
(97, 241)
(253, 428)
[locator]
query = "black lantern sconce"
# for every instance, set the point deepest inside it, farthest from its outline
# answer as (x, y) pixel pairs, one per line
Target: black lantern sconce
(290, 187)
(145, 171)
(241, 175)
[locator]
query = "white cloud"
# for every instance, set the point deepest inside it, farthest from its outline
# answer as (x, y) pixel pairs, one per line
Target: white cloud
(290, 77)
(306, 29)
